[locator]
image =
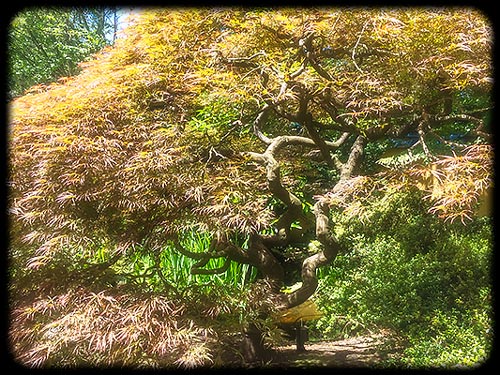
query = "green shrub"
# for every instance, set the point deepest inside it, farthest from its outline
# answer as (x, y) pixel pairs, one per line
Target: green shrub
(426, 281)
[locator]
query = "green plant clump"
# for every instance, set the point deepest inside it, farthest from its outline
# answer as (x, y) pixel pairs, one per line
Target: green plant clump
(410, 274)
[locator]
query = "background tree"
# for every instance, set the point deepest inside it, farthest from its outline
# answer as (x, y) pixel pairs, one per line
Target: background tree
(48, 43)
(257, 128)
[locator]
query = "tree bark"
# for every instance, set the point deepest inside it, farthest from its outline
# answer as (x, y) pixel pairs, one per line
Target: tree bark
(331, 246)
(355, 155)
(309, 266)
(252, 345)
(258, 253)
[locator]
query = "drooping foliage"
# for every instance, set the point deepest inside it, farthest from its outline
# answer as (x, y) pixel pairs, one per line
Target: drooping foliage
(256, 127)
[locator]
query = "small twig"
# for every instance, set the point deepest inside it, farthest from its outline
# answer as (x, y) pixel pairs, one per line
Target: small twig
(353, 55)
(250, 72)
(421, 135)
(244, 59)
(261, 118)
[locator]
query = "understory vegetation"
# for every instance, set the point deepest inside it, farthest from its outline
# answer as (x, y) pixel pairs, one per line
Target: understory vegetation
(426, 283)
(138, 312)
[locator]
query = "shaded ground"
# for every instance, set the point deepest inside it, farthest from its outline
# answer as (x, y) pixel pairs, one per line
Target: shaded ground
(353, 352)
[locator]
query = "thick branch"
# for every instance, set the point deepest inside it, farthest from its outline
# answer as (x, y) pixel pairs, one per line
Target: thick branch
(317, 67)
(294, 205)
(259, 120)
(447, 142)
(422, 126)
(329, 105)
(273, 175)
(276, 144)
(330, 246)
(307, 49)
(189, 254)
(212, 271)
(257, 255)
(330, 250)
(468, 118)
(203, 258)
(305, 118)
(354, 159)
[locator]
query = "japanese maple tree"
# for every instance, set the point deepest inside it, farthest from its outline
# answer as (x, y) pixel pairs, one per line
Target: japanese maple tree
(245, 122)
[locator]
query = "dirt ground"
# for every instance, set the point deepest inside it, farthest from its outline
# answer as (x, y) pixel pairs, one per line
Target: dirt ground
(353, 352)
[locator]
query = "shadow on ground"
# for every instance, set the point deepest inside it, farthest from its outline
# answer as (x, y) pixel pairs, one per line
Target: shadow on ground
(353, 352)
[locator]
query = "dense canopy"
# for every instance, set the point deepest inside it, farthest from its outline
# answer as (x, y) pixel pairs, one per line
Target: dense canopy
(200, 118)
(256, 124)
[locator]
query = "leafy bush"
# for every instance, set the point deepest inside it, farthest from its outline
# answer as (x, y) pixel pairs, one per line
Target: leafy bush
(426, 281)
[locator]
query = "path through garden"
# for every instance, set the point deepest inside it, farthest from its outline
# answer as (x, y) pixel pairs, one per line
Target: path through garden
(361, 351)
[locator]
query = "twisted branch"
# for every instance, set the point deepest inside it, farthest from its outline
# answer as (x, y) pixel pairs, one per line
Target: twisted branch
(330, 245)
(309, 266)
(468, 118)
